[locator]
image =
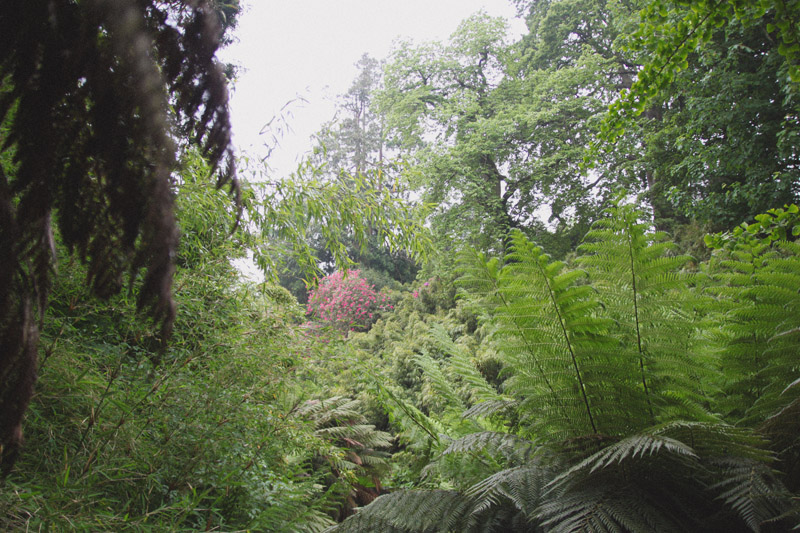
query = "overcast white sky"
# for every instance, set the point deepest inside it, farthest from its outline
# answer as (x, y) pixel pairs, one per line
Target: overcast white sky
(308, 48)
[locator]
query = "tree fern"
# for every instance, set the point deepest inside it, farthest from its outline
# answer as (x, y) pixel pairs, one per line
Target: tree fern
(514, 449)
(416, 428)
(607, 368)
(561, 363)
(354, 453)
(751, 489)
(418, 511)
(461, 366)
(520, 487)
(645, 292)
(437, 386)
(757, 275)
(674, 477)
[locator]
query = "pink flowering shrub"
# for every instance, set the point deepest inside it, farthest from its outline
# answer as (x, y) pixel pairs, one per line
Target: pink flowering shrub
(346, 303)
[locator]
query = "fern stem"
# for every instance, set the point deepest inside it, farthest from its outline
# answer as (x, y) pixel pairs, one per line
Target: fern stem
(636, 321)
(569, 347)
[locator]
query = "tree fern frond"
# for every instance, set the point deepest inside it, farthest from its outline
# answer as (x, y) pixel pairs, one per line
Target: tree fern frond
(310, 521)
(514, 449)
(643, 288)
(626, 449)
(751, 489)
(758, 313)
(327, 410)
(712, 440)
(437, 383)
(554, 341)
(460, 364)
(605, 509)
(490, 408)
(358, 435)
(522, 486)
(418, 511)
(418, 428)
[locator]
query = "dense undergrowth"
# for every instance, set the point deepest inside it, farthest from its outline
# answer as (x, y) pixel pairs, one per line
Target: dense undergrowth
(629, 388)
(613, 407)
(588, 373)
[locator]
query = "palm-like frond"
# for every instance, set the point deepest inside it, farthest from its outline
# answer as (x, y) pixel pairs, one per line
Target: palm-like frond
(357, 435)
(758, 315)
(519, 488)
(642, 286)
(417, 511)
(329, 410)
(751, 489)
(514, 449)
(437, 385)
(491, 408)
(418, 429)
(600, 509)
(461, 366)
(562, 363)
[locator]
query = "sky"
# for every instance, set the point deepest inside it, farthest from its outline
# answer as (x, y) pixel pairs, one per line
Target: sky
(296, 56)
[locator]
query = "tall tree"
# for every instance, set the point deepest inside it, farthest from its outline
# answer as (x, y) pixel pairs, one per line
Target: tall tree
(94, 94)
(500, 130)
(352, 147)
(716, 89)
(444, 93)
(354, 141)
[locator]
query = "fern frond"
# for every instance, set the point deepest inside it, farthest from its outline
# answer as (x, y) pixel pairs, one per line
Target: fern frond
(417, 427)
(714, 440)
(751, 489)
(549, 332)
(624, 450)
(521, 486)
(758, 315)
(357, 435)
(437, 383)
(490, 408)
(514, 449)
(418, 511)
(643, 288)
(311, 521)
(603, 510)
(461, 366)
(325, 411)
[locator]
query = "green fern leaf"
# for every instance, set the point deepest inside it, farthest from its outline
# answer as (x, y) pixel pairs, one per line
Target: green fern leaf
(512, 448)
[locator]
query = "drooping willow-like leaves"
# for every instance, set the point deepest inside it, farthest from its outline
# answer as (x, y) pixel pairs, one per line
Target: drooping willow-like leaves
(93, 95)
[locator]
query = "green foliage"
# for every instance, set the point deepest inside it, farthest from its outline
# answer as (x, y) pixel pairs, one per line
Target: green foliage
(94, 95)
(717, 107)
(642, 283)
(608, 431)
(757, 277)
(671, 31)
(125, 435)
(354, 457)
(286, 212)
(592, 368)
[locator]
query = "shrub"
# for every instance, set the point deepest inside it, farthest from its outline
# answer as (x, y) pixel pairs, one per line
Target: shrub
(345, 301)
